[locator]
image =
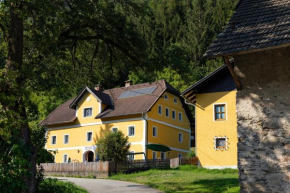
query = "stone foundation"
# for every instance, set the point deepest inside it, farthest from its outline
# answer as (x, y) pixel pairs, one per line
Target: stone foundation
(263, 112)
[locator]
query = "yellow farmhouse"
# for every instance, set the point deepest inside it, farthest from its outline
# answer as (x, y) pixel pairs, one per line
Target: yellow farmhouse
(147, 113)
(214, 98)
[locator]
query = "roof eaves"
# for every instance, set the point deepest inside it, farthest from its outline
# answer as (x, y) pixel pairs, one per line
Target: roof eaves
(204, 79)
(62, 122)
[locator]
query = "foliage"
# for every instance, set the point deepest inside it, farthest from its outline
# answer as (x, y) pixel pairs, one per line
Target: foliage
(186, 179)
(113, 146)
(56, 186)
(191, 153)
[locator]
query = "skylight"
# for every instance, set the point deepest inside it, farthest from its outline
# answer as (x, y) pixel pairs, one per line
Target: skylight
(137, 92)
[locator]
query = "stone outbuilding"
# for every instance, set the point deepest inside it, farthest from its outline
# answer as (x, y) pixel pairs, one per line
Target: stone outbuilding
(258, 39)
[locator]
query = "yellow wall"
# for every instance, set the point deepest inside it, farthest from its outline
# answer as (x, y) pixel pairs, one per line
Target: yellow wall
(167, 134)
(207, 129)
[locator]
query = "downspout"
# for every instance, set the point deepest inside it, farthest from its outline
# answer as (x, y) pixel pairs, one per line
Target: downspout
(145, 134)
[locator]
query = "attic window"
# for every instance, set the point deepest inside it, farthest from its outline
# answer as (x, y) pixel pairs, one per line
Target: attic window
(175, 100)
(166, 97)
(88, 112)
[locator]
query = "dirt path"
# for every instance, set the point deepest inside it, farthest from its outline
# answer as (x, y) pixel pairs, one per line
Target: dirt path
(109, 186)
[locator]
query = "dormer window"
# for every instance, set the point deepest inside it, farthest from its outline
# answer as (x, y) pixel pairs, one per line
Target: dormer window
(88, 112)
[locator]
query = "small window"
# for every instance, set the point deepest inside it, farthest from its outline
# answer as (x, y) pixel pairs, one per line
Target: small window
(88, 112)
(53, 140)
(131, 131)
(179, 156)
(154, 155)
(180, 137)
(65, 139)
(166, 97)
(89, 136)
(65, 158)
(220, 112)
(180, 116)
(160, 110)
(173, 115)
(220, 143)
(115, 129)
(131, 155)
(154, 130)
(167, 112)
(163, 155)
(175, 100)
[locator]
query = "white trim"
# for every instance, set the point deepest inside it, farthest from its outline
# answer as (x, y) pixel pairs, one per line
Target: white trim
(87, 136)
(114, 128)
(166, 108)
(226, 108)
(137, 143)
(221, 167)
(155, 132)
(55, 140)
(76, 111)
(96, 123)
(129, 131)
(84, 111)
(174, 114)
(86, 151)
(180, 113)
(181, 137)
(70, 148)
(173, 126)
(158, 110)
(64, 139)
(100, 106)
(66, 158)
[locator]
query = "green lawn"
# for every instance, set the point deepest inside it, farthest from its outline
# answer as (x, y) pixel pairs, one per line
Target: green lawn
(186, 179)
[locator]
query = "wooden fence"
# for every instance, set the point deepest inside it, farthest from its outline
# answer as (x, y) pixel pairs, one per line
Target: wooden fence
(97, 169)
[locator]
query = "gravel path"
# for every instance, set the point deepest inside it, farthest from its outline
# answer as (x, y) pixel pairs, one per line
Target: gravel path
(109, 186)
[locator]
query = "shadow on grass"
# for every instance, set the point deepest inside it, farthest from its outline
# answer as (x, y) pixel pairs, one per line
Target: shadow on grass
(218, 185)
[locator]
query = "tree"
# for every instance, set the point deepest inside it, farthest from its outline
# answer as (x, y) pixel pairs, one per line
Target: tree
(113, 146)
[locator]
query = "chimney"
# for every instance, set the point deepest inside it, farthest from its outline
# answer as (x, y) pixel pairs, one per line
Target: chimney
(98, 87)
(128, 83)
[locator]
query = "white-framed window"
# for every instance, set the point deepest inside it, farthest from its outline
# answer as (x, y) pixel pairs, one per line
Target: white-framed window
(179, 156)
(88, 112)
(220, 143)
(180, 137)
(180, 116)
(154, 131)
(175, 100)
(53, 140)
(154, 155)
(163, 155)
(65, 160)
(131, 155)
(131, 130)
(173, 114)
(115, 129)
(167, 112)
(159, 109)
(66, 138)
(89, 136)
(166, 97)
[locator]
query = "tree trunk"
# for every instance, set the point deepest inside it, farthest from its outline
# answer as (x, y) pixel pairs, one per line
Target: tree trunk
(14, 92)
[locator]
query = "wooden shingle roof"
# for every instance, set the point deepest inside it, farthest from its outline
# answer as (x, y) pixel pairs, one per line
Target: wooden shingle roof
(256, 25)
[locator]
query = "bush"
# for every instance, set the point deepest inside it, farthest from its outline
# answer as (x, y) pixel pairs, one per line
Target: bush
(191, 153)
(53, 185)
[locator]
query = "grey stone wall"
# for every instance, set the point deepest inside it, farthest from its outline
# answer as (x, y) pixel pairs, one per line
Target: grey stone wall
(263, 111)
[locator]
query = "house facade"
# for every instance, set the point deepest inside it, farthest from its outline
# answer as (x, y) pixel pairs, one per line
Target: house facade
(258, 38)
(147, 113)
(214, 99)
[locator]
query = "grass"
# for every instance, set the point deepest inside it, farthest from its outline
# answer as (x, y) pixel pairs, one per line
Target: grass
(53, 185)
(186, 179)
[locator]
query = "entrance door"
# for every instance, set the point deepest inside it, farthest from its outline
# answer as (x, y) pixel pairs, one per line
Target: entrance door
(89, 157)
